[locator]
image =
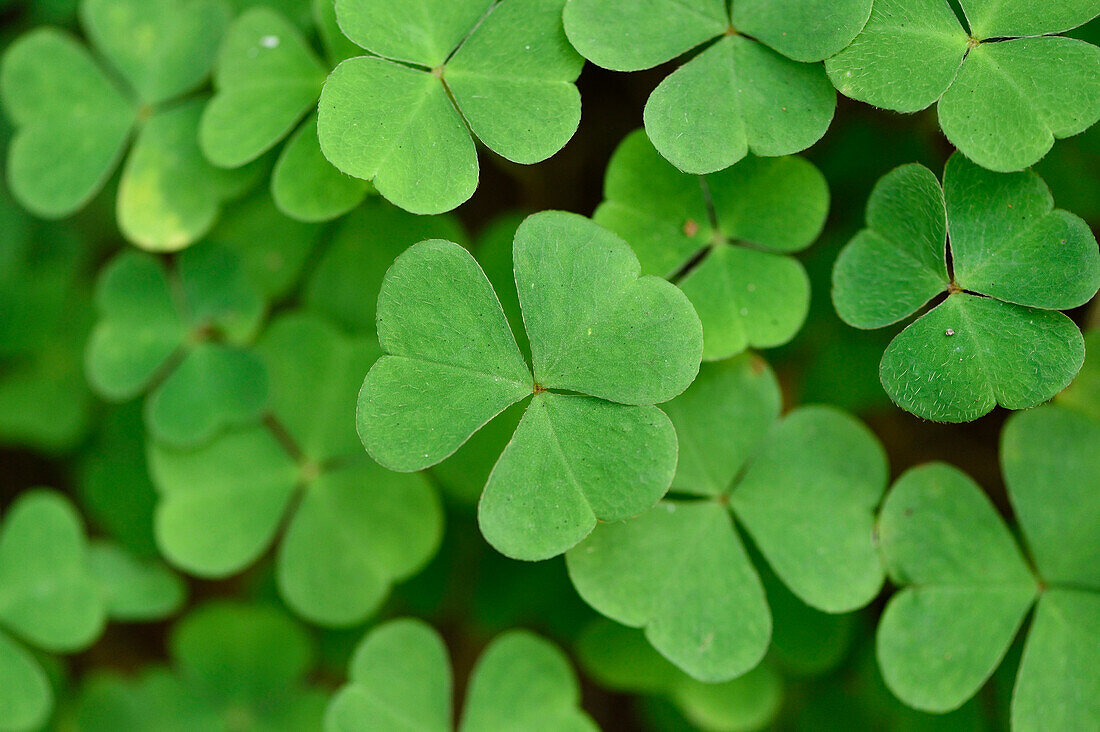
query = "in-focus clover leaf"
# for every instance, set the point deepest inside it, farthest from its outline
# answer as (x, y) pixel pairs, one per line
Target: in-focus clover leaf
(439, 72)
(49, 598)
(1011, 263)
(966, 587)
(352, 529)
(268, 79)
(755, 85)
(620, 659)
(400, 678)
(723, 238)
(606, 345)
(75, 120)
(1006, 90)
(181, 333)
(805, 488)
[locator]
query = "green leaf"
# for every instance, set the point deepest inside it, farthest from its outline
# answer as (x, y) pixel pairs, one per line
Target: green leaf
(573, 460)
(267, 79)
(808, 499)
(630, 36)
(966, 588)
(363, 246)
(346, 545)
(970, 354)
(1058, 683)
(918, 41)
(681, 572)
(47, 593)
(169, 195)
(26, 698)
(163, 48)
(899, 262)
(796, 29)
(1010, 251)
(451, 362)
(516, 90)
(135, 589)
(734, 98)
(418, 32)
(72, 122)
(1034, 106)
(337, 46)
(1002, 18)
(747, 294)
(741, 391)
(595, 326)
(1083, 395)
(1003, 99)
(417, 152)
(523, 682)
(1051, 468)
(399, 118)
(398, 678)
(306, 186)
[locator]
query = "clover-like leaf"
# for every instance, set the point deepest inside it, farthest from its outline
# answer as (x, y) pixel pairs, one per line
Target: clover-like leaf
(399, 679)
(748, 89)
(267, 79)
(354, 529)
(48, 595)
(942, 637)
(403, 117)
(1014, 261)
(722, 237)
(595, 328)
(1006, 90)
(73, 122)
(147, 338)
(619, 658)
(805, 489)
(25, 694)
(135, 589)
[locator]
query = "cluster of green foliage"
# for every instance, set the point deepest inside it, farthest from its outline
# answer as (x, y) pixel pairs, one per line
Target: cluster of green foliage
(307, 440)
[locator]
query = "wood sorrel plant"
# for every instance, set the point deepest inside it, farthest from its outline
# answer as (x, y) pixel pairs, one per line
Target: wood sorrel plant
(350, 379)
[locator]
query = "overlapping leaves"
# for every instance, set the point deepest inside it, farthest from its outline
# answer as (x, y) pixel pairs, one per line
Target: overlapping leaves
(75, 120)
(439, 73)
(606, 345)
(1006, 88)
(1012, 262)
(723, 238)
(400, 679)
(755, 86)
(349, 529)
(268, 79)
(180, 333)
(804, 487)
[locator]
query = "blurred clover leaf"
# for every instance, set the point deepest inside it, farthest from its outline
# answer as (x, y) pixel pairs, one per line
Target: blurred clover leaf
(349, 529)
(607, 345)
(723, 238)
(1006, 89)
(400, 679)
(804, 487)
(179, 333)
(966, 588)
(268, 79)
(620, 659)
(1011, 263)
(438, 73)
(234, 666)
(75, 117)
(754, 86)
(45, 304)
(56, 594)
